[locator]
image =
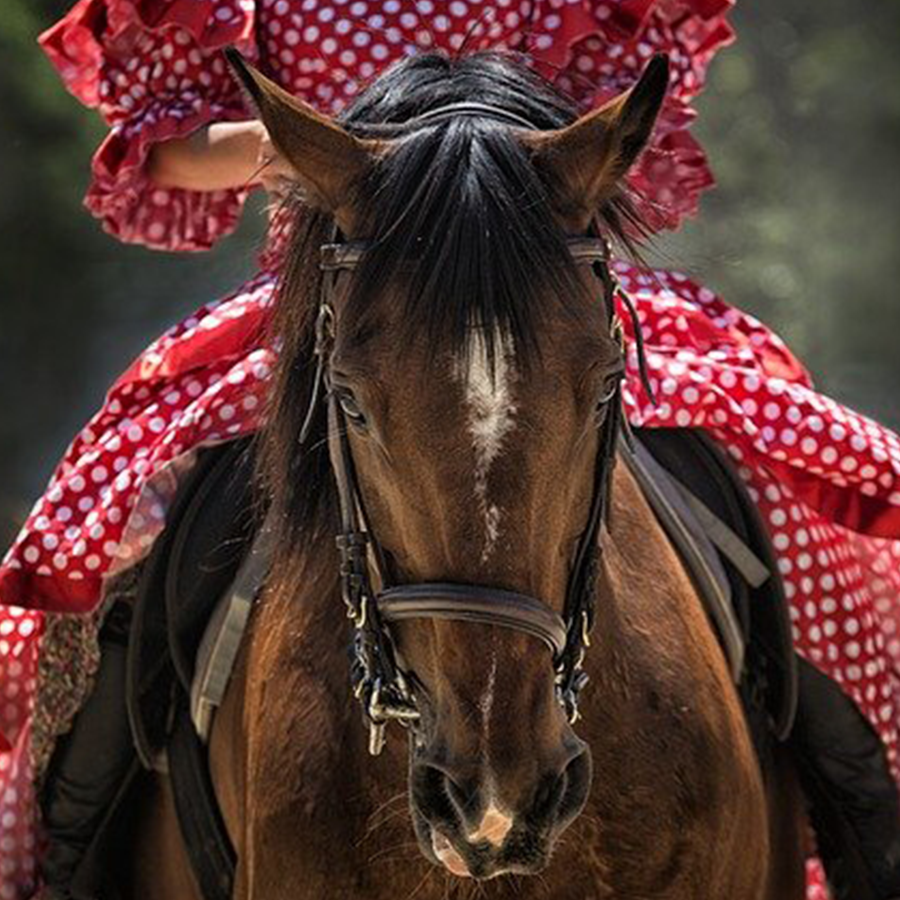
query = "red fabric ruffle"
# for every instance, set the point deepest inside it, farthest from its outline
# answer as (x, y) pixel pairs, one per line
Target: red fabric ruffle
(155, 72)
(96, 32)
(595, 49)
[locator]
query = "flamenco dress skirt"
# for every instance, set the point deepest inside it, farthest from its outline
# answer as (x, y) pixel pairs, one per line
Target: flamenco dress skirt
(826, 479)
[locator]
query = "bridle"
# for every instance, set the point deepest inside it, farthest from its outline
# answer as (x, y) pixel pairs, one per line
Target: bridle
(387, 692)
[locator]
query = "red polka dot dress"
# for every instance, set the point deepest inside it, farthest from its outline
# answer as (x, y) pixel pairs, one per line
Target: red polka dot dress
(826, 479)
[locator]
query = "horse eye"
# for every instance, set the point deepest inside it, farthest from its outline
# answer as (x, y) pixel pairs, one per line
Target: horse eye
(351, 408)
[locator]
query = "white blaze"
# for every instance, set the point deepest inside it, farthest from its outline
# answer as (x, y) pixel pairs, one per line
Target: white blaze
(490, 419)
(487, 700)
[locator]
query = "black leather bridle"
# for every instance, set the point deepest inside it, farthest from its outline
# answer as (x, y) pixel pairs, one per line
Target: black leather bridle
(386, 691)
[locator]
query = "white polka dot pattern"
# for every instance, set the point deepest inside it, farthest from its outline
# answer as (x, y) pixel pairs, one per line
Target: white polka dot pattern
(817, 471)
(157, 73)
(107, 500)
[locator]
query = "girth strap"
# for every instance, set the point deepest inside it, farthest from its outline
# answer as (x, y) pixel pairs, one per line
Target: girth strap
(477, 604)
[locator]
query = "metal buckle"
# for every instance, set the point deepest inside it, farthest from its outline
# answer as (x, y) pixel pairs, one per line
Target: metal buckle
(570, 676)
(376, 737)
(382, 708)
(617, 331)
(341, 256)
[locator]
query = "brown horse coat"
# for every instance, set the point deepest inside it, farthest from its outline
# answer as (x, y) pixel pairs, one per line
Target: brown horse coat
(677, 810)
(477, 467)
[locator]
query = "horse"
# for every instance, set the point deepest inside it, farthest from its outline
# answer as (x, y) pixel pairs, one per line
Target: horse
(471, 366)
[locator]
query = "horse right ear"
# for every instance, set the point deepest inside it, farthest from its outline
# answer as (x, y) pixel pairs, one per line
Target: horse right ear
(330, 162)
(583, 163)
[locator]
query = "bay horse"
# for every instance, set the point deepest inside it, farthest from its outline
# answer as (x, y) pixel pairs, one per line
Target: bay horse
(472, 380)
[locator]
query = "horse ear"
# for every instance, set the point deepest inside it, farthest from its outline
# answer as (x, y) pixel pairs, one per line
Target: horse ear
(330, 162)
(583, 162)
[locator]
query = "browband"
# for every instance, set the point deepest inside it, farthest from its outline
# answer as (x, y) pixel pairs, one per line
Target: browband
(348, 255)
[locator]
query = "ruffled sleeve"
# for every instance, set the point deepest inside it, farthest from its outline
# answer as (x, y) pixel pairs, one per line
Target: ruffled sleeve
(595, 49)
(154, 70)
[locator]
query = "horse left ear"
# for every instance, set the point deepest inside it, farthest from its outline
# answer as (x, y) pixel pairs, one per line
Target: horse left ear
(583, 162)
(330, 162)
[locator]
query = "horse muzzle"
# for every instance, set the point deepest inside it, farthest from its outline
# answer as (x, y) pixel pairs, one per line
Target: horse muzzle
(462, 828)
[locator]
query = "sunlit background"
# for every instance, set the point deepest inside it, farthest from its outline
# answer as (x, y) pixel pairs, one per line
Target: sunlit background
(801, 120)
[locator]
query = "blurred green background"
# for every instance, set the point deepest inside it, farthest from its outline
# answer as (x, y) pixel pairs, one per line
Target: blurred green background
(801, 120)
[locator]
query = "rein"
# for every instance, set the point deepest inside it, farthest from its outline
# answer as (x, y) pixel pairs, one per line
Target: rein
(386, 691)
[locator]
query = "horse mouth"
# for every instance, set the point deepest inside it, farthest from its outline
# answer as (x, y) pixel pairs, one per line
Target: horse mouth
(446, 853)
(481, 861)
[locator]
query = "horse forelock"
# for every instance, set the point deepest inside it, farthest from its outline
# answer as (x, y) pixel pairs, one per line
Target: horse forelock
(456, 208)
(460, 233)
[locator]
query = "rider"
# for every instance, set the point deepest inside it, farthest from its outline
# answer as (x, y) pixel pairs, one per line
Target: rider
(183, 152)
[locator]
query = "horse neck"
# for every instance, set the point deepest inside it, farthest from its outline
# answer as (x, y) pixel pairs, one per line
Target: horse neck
(659, 686)
(649, 616)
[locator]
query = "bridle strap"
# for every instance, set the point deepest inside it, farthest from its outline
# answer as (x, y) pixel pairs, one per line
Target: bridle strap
(347, 256)
(581, 570)
(380, 683)
(474, 603)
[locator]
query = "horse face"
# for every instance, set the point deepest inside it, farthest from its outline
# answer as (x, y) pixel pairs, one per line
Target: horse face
(476, 465)
(482, 477)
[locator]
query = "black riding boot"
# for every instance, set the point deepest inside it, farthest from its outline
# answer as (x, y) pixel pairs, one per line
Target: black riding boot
(90, 763)
(854, 805)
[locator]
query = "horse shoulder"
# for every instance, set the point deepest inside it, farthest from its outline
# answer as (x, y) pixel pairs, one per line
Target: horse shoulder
(677, 779)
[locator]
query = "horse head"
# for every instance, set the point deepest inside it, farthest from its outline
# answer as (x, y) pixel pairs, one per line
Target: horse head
(472, 377)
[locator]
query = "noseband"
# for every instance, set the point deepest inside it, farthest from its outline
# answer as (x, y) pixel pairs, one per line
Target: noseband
(386, 691)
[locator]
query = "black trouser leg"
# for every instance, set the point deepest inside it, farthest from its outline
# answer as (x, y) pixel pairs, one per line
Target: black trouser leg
(90, 762)
(846, 776)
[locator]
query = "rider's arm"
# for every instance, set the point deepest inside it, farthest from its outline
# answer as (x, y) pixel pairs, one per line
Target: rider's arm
(216, 157)
(221, 156)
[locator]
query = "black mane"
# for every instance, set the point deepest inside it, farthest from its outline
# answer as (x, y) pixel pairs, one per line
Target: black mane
(456, 207)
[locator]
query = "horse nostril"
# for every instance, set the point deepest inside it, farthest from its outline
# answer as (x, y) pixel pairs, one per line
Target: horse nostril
(562, 795)
(548, 797)
(439, 798)
(576, 784)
